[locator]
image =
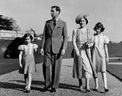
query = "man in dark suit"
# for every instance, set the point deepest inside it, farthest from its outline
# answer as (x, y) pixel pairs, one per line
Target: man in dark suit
(54, 44)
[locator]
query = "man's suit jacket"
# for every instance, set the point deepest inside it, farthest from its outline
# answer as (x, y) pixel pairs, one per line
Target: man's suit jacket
(54, 38)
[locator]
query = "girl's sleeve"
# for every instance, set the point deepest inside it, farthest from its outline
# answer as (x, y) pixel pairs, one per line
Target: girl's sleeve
(21, 47)
(106, 40)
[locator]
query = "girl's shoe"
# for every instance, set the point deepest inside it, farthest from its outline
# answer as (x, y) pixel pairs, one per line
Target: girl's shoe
(87, 89)
(27, 90)
(106, 90)
(95, 89)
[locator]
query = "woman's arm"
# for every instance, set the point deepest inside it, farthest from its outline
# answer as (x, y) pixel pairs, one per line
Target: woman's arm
(74, 43)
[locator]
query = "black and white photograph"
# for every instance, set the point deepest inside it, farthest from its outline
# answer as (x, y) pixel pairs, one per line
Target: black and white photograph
(60, 48)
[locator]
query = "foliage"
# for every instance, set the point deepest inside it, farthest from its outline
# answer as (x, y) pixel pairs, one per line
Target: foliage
(7, 23)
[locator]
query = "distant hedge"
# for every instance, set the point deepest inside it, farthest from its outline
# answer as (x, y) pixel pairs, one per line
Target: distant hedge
(8, 48)
(115, 49)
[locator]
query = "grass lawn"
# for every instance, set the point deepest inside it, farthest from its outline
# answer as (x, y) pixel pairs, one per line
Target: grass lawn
(115, 70)
(115, 50)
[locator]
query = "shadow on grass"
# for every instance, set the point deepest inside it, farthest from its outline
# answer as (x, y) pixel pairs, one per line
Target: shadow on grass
(17, 86)
(34, 82)
(20, 85)
(14, 86)
(41, 83)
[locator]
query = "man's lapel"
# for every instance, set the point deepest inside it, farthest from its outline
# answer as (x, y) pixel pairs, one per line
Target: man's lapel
(51, 25)
(58, 23)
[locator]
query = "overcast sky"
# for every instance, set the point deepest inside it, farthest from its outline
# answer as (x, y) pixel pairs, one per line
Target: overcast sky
(33, 14)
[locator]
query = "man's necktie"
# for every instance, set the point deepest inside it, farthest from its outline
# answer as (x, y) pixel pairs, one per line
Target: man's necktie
(54, 22)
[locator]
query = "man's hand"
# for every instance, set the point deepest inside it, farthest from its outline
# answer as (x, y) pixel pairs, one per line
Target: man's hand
(62, 52)
(42, 51)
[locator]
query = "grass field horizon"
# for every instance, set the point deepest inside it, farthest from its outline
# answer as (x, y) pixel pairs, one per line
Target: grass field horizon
(113, 48)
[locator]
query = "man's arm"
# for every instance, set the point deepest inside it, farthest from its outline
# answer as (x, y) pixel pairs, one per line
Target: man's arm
(65, 38)
(43, 41)
(43, 37)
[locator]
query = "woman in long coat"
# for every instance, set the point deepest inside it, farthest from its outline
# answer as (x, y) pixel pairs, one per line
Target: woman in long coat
(81, 39)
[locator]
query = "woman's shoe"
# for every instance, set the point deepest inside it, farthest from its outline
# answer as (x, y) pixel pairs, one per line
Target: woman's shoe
(95, 89)
(53, 90)
(106, 90)
(82, 89)
(87, 90)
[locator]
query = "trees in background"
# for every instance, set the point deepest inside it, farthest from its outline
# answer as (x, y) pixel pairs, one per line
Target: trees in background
(8, 23)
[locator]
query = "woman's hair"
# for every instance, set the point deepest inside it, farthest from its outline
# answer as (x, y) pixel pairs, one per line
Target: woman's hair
(79, 17)
(28, 35)
(99, 25)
